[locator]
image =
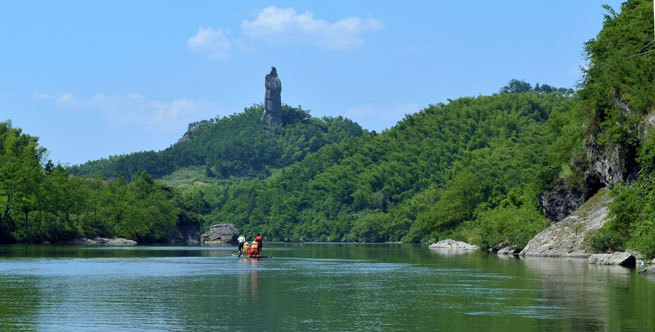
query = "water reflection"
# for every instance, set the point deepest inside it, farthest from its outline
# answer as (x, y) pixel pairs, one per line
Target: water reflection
(597, 295)
(249, 282)
(19, 303)
(314, 287)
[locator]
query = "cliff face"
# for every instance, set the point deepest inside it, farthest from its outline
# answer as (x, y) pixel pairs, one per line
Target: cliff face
(608, 164)
(561, 201)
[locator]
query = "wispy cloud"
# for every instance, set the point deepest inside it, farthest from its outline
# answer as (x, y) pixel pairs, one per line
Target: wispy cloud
(380, 118)
(135, 110)
(38, 95)
(66, 98)
(214, 42)
(284, 26)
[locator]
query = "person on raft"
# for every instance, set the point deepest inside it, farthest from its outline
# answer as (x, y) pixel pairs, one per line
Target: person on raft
(252, 252)
(246, 249)
(242, 241)
(259, 239)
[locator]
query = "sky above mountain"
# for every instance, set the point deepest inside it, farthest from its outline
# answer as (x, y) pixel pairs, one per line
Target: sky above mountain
(94, 79)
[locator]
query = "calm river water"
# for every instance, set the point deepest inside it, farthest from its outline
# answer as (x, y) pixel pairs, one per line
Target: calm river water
(330, 287)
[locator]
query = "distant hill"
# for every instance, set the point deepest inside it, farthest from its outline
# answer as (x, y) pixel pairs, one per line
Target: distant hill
(232, 146)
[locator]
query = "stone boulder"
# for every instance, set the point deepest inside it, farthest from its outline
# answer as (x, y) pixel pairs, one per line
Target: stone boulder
(649, 270)
(220, 234)
(510, 250)
(566, 238)
(452, 244)
(617, 258)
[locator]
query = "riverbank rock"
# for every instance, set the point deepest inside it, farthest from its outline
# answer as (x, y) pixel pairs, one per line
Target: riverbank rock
(617, 258)
(220, 234)
(101, 241)
(649, 270)
(510, 250)
(566, 238)
(452, 244)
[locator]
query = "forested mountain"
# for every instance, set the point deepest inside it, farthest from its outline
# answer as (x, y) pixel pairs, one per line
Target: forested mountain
(233, 146)
(471, 168)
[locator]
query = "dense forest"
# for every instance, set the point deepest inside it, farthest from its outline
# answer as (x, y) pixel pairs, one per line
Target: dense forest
(40, 202)
(233, 146)
(459, 169)
(471, 169)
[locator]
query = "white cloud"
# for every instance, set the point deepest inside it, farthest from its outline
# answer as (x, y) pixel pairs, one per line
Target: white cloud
(59, 98)
(41, 96)
(135, 96)
(379, 118)
(285, 25)
(133, 110)
(213, 42)
(66, 98)
(172, 111)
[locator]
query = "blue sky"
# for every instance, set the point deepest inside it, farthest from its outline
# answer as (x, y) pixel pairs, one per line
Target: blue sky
(94, 79)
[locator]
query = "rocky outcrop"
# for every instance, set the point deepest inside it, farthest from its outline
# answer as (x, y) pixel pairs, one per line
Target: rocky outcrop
(272, 99)
(220, 234)
(452, 244)
(101, 241)
(567, 237)
(192, 129)
(561, 201)
(610, 163)
(511, 250)
(617, 258)
(647, 123)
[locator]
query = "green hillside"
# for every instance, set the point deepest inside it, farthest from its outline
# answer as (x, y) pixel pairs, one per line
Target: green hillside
(458, 169)
(232, 146)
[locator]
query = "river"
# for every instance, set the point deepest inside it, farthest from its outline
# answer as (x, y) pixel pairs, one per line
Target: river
(313, 286)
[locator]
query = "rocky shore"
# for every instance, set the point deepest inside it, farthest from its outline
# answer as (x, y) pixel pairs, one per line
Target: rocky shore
(566, 238)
